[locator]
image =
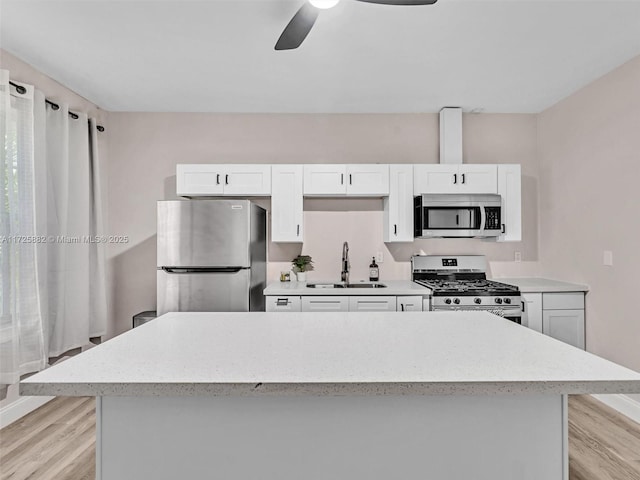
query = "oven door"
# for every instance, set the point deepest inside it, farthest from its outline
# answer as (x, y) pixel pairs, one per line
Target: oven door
(511, 313)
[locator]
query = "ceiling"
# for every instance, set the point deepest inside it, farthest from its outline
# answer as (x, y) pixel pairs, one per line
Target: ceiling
(218, 56)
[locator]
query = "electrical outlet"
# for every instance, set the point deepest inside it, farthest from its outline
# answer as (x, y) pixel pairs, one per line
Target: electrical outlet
(517, 257)
(379, 257)
(607, 258)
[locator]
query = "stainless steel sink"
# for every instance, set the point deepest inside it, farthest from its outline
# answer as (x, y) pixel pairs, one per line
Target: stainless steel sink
(346, 285)
(366, 285)
(325, 285)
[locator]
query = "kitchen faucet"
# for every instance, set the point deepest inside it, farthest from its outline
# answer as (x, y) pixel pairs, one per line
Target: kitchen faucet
(344, 276)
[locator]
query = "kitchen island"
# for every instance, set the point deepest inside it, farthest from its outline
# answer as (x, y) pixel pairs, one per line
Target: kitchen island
(332, 395)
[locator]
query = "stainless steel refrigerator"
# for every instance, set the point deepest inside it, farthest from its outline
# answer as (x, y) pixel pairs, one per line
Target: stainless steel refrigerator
(212, 256)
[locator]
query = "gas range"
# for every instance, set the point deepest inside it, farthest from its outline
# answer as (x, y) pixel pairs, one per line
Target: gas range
(459, 282)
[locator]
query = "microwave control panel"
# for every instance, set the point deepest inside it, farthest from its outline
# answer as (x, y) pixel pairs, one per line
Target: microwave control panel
(493, 218)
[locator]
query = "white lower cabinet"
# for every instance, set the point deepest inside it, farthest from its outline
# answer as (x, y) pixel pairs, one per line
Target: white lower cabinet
(564, 325)
(325, 304)
(347, 303)
(559, 315)
(532, 311)
(563, 317)
(372, 303)
(283, 304)
(409, 304)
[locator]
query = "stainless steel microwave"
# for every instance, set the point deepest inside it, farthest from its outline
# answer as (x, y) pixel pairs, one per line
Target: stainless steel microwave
(455, 215)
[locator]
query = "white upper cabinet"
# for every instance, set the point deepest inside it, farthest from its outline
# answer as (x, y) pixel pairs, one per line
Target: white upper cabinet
(223, 179)
(325, 180)
(336, 180)
(368, 179)
(464, 178)
(199, 180)
(247, 180)
(510, 189)
(286, 203)
(398, 206)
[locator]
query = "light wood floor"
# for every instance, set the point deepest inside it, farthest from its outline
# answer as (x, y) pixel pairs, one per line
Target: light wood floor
(57, 442)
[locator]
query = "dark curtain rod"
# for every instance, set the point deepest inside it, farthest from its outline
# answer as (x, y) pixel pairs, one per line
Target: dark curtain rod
(21, 90)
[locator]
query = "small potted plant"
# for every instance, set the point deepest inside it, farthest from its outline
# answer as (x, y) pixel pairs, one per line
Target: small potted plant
(301, 265)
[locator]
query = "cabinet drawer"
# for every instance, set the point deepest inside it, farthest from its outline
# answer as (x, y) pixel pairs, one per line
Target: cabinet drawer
(283, 304)
(325, 304)
(563, 301)
(372, 304)
(409, 304)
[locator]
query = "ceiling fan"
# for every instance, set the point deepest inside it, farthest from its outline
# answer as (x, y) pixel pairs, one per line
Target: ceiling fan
(300, 25)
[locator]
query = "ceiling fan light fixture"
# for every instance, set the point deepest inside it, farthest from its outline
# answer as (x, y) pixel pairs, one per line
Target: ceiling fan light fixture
(324, 4)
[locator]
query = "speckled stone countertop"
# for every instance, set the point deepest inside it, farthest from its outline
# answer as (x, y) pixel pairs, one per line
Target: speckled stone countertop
(393, 287)
(546, 285)
(186, 354)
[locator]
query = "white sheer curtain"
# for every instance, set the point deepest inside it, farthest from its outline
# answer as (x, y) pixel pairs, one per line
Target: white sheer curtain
(53, 287)
(22, 345)
(75, 289)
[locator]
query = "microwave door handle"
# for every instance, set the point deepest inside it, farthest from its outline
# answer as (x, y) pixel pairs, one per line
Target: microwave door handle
(483, 218)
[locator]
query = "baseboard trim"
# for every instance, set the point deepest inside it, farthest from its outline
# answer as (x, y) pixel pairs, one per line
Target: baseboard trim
(622, 404)
(18, 409)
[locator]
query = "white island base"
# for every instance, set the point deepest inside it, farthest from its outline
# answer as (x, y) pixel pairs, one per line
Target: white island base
(407, 437)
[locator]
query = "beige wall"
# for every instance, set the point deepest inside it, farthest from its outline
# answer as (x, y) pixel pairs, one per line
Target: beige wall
(145, 148)
(590, 202)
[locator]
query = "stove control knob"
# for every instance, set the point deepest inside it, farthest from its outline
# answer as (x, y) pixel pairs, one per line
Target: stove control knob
(477, 300)
(456, 301)
(447, 301)
(507, 301)
(498, 300)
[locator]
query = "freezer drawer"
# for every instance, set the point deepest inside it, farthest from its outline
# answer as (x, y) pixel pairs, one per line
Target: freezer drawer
(203, 291)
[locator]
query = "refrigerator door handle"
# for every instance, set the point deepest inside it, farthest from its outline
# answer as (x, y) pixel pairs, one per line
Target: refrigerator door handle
(202, 269)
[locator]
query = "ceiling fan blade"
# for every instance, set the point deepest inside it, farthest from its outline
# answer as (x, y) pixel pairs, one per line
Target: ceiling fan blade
(298, 28)
(400, 2)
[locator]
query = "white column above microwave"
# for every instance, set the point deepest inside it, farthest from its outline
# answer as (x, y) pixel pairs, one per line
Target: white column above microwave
(451, 135)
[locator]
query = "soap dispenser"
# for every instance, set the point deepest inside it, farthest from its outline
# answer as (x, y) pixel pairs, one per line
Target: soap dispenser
(374, 271)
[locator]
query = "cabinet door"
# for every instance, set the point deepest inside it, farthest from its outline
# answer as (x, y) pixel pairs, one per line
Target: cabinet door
(286, 203)
(325, 180)
(372, 303)
(368, 180)
(477, 179)
(564, 325)
(283, 304)
(435, 178)
(532, 311)
(195, 180)
(398, 206)
(247, 180)
(510, 190)
(409, 304)
(325, 304)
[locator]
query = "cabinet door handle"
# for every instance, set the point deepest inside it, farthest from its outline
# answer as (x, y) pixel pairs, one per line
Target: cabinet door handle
(402, 307)
(395, 229)
(342, 179)
(298, 231)
(504, 228)
(463, 178)
(455, 178)
(226, 179)
(350, 182)
(523, 305)
(218, 179)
